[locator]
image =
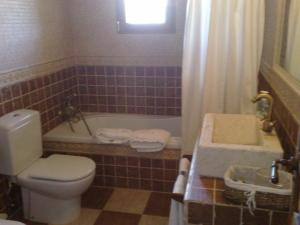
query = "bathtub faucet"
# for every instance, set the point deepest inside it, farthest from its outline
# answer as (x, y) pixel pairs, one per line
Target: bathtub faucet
(69, 112)
(268, 124)
(72, 114)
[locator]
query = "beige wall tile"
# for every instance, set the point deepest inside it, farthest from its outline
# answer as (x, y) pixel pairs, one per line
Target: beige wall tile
(33, 32)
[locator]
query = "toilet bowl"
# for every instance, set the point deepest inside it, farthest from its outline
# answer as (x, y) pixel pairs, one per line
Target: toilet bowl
(10, 222)
(51, 187)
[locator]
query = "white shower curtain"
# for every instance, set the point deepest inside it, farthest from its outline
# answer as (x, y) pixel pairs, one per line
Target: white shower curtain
(292, 59)
(222, 52)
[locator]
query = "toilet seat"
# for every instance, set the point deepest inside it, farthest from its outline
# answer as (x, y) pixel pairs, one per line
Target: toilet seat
(61, 168)
(54, 185)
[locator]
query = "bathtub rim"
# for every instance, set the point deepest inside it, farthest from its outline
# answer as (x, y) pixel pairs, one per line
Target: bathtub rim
(95, 114)
(174, 143)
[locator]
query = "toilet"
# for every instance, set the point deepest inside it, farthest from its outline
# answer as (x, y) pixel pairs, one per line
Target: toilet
(51, 187)
(10, 222)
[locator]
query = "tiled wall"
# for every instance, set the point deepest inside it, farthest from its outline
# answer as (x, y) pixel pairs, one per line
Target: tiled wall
(129, 89)
(286, 127)
(121, 166)
(34, 42)
(45, 94)
(136, 172)
(33, 32)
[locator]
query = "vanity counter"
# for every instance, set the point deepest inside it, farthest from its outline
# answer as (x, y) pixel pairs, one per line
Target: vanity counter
(206, 205)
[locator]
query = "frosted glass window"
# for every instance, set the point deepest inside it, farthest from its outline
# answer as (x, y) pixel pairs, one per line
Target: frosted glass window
(145, 11)
(146, 16)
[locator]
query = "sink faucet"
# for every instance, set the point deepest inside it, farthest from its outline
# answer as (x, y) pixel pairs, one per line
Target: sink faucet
(291, 164)
(268, 124)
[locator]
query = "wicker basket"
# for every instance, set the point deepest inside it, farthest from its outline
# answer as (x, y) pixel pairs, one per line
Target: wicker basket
(236, 191)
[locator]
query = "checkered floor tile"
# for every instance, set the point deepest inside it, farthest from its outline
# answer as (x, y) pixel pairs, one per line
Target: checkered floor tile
(119, 206)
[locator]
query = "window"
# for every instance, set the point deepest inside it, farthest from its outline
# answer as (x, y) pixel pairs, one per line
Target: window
(146, 16)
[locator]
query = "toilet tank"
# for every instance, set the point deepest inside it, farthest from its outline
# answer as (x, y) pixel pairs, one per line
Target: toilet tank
(20, 141)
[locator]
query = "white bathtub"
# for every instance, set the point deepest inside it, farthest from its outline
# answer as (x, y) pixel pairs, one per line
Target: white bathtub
(63, 133)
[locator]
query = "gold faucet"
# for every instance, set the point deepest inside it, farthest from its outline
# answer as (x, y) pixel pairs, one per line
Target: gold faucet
(268, 124)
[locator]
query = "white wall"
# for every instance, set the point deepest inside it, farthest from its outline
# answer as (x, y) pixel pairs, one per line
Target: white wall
(33, 32)
(95, 36)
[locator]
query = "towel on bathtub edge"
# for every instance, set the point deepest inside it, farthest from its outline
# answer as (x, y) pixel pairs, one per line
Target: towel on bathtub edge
(113, 135)
(149, 140)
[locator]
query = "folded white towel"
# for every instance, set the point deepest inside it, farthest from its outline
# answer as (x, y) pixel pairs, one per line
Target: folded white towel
(151, 140)
(113, 135)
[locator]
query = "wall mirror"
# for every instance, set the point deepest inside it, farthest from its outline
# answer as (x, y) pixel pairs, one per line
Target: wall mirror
(290, 40)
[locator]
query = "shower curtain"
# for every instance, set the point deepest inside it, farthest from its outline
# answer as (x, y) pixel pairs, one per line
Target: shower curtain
(292, 59)
(222, 51)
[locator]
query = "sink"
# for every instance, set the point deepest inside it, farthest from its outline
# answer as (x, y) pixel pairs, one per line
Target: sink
(234, 139)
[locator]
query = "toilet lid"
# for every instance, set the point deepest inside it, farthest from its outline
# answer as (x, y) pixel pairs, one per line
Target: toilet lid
(10, 222)
(62, 168)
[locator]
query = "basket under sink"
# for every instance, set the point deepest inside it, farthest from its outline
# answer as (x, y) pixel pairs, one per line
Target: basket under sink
(242, 180)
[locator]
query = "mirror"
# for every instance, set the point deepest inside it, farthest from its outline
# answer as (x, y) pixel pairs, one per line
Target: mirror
(290, 46)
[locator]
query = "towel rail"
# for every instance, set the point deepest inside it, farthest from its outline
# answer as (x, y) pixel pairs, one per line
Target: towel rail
(181, 181)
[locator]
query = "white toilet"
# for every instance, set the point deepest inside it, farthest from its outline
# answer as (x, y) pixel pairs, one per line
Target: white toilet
(10, 222)
(51, 187)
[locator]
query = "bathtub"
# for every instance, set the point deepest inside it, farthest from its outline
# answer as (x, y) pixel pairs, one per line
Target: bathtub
(63, 133)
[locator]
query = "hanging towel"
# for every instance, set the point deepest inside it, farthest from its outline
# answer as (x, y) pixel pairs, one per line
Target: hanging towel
(113, 135)
(152, 140)
(177, 210)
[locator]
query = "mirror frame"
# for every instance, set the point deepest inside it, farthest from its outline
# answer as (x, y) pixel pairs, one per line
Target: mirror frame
(279, 69)
(286, 86)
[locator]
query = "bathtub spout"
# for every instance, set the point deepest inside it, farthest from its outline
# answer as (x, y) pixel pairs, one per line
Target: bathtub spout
(71, 126)
(72, 114)
(85, 123)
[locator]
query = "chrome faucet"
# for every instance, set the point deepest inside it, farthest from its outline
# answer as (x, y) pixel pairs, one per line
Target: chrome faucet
(69, 112)
(291, 164)
(72, 114)
(268, 124)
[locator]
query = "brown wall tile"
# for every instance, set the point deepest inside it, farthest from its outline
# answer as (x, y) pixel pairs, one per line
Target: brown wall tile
(141, 90)
(109, 173)
(45, 94)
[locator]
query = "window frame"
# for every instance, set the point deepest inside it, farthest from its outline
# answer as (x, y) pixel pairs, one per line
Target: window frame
(168, 27)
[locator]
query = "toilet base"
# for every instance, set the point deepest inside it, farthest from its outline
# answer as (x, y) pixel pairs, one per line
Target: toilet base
(44, 209)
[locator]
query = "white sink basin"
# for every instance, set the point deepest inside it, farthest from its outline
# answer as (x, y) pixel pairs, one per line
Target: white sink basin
(234, 139)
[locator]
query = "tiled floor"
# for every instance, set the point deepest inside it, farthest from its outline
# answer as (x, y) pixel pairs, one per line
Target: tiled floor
(119, 206)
